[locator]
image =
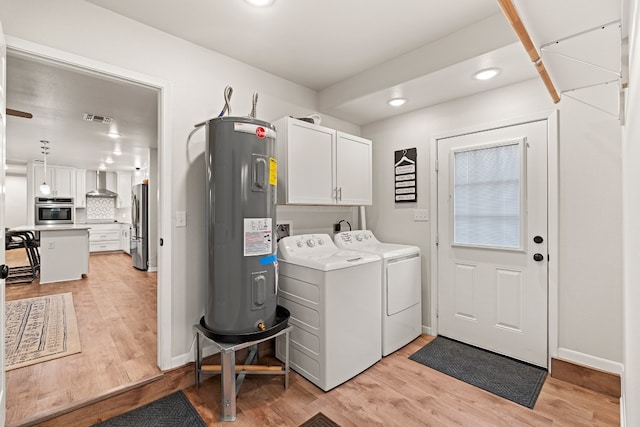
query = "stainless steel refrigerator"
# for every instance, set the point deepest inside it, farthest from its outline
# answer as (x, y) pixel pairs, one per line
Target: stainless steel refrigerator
(140, 226)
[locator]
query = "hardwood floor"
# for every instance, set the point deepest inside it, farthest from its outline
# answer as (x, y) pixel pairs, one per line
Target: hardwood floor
(394, 392)
(116, 312)
(400, 392)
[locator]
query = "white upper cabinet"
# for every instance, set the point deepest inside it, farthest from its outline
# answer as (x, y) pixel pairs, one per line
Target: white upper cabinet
(124, 183)
(81, 188)
(61, 180)
(321, 166)
(353, 170)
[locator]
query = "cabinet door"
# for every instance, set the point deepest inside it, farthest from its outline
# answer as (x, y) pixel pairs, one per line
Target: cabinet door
(65, 182)
(125, 239)
(310, 164)
(39, 178)
(81, 188)
(124, 189)
(112, 182)
(353, 170)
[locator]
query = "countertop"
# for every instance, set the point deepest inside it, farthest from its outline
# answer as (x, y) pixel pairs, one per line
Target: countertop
(57, 227)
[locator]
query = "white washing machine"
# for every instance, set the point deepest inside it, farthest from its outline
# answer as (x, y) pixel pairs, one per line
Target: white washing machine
(401, 286)
(333, 296)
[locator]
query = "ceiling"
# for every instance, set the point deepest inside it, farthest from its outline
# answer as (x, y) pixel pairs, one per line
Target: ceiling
(58, 97)
(356, 54)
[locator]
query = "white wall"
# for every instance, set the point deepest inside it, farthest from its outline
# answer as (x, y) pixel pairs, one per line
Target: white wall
(631, 213)
(15, 201)
(197, 77)
(590, 204)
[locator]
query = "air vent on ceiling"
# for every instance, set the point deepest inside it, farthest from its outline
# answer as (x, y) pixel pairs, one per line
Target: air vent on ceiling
(96, 118)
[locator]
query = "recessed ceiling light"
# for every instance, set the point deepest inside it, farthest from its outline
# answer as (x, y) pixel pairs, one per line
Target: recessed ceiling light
(108, 160)
(396, 102)
(113, 134)
(486, 74)
(260, 3)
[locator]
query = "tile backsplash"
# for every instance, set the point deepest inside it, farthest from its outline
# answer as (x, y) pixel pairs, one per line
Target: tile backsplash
(100, 208)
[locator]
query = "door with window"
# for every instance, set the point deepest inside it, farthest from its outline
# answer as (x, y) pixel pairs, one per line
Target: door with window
(492, 233)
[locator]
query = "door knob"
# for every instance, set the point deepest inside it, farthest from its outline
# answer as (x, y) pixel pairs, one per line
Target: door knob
(4, 271)
(538, 257)
(538, 239)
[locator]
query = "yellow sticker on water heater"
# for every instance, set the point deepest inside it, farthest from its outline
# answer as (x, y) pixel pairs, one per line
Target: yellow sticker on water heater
(273, 171)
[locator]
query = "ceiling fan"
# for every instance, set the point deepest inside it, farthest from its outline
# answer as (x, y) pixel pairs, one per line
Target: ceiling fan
(18, 113)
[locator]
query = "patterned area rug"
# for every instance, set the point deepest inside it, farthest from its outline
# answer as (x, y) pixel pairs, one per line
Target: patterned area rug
(503, 376)
(40, 329)
(174, 410)
(319, 420)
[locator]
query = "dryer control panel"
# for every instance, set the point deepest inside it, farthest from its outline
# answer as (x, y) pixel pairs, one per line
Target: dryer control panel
(355, 239)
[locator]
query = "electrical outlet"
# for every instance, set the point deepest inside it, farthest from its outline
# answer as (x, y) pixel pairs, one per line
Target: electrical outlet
(181, 219)
(283, 229)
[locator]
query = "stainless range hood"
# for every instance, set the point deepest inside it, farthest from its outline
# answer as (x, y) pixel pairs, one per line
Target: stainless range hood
(101, 187)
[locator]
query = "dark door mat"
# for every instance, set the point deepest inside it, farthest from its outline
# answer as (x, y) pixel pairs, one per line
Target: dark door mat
(503, 376)
(319, 420)
(174, 410)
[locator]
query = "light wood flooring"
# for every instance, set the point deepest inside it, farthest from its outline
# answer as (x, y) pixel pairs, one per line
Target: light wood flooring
(394, 392)
(116, 312)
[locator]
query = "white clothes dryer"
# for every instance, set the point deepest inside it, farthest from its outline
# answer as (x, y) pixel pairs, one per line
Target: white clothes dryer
(333, 296)
(401, 286)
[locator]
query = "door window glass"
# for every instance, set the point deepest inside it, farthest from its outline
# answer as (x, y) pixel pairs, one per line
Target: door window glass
(487, 196)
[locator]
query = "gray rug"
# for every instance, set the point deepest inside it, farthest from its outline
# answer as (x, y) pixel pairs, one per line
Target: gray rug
(319, 420)
(503, 376)
(174, 410)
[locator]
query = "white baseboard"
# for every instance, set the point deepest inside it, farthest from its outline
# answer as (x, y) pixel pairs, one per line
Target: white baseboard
(590, 361)
(426, 330)
(183, 359)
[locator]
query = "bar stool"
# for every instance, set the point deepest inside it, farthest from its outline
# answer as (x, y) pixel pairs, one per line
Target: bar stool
(23, 240)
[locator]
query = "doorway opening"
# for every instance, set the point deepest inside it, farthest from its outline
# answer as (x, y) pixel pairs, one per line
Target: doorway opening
(154, 163)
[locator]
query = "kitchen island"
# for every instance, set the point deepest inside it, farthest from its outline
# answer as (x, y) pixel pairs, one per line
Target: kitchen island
(64, 251)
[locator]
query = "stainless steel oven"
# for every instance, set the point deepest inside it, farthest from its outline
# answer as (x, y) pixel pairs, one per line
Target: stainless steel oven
(54, 210)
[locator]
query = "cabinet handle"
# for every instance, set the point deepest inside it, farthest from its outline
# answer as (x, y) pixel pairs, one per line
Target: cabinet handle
(340, 193)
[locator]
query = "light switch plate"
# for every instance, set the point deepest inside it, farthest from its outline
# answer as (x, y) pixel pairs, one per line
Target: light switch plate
(421, 215)
(181, 219)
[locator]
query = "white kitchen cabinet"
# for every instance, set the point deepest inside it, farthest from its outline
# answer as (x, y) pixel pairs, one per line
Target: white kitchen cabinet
(322, 166)
(104, 237)
(81, 188)
(112, 182)
(61, 180)
(124, 183)
(125, 237)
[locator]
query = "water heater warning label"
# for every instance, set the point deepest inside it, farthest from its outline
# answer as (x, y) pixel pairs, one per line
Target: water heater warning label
(258, 236)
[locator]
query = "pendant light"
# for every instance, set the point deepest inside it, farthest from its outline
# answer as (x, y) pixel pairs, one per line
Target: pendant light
(44, 187)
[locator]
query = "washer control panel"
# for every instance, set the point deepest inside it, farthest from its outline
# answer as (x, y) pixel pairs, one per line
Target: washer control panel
(355, 239)
(304, 245)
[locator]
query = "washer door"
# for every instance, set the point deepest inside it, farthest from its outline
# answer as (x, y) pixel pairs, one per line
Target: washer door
(403, 283)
